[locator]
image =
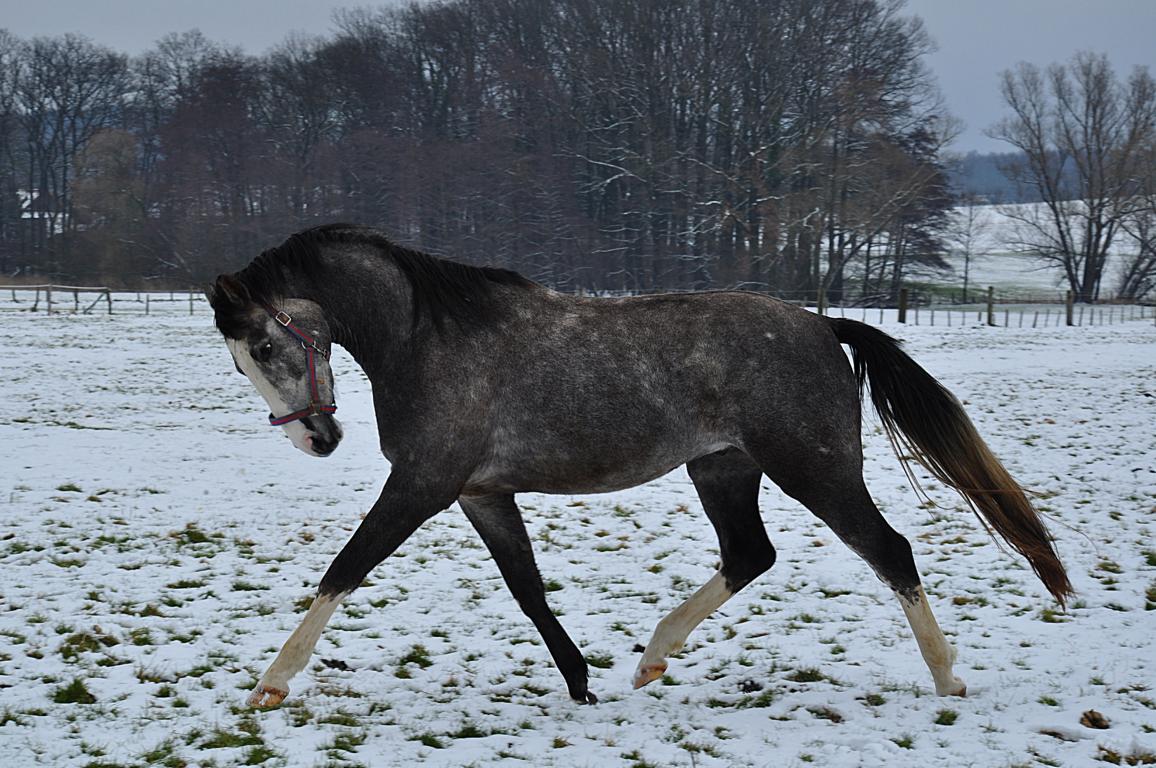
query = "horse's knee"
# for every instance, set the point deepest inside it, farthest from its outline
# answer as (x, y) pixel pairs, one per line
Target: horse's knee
(744, 569)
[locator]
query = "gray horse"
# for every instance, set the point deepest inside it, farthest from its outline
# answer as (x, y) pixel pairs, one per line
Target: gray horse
(486, 385)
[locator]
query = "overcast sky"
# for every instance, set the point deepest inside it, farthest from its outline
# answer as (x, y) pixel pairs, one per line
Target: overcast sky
(977, 39)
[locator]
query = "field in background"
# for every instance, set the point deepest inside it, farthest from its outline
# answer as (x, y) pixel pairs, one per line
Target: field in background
(158, 542)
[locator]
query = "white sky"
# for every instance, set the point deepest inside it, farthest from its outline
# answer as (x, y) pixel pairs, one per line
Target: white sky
(977, 39)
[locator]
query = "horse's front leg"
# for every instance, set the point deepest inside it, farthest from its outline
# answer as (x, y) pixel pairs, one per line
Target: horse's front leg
(499, 523)
(398, 512)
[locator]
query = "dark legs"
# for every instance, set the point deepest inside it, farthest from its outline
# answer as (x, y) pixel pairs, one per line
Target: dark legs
(831, 486)
(396, 515)
(500, 525)
(728, 485)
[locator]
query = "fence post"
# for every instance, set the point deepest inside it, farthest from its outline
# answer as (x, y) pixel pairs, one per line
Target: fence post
(990, 305)
(146, 304)
(190, 302)
(903, 305)
(108, 298)
(48, 299)
(1068, 304)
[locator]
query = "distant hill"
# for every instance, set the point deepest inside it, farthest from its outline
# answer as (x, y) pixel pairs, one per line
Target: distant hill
(978, 175)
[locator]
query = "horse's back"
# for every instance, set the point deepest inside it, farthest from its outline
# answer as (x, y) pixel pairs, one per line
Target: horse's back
(606, 393)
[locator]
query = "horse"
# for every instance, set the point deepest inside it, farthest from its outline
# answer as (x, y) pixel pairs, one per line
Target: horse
(487, 384)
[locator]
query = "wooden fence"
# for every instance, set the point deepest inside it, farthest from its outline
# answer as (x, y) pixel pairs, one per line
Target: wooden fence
(78, 299)
(995, 311)
(1000, 312)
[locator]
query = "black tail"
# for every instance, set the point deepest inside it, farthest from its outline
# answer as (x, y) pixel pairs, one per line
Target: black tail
(926, 421)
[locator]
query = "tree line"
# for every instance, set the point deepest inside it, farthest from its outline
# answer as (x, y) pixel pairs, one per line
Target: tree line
(588, 143)
(793, 146)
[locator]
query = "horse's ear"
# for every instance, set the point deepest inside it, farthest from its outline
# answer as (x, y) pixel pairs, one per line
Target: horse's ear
(228, 291)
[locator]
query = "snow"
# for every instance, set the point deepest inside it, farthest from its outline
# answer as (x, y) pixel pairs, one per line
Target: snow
(995, 260)
(157, 541)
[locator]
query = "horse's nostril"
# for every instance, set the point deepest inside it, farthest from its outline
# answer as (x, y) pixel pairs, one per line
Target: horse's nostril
(322, 446)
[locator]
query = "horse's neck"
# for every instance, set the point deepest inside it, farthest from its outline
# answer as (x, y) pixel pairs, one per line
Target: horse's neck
(368, 304)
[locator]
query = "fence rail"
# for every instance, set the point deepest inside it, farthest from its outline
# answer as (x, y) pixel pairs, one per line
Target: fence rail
(55, 299)
(996, 311)
(1002, 316)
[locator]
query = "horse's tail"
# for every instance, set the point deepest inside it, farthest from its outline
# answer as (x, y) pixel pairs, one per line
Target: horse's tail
(925, 421)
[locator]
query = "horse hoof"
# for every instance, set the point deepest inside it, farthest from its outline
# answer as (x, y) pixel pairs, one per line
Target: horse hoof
(958, 689)
(648, 673)
(585, 698)
(266, 697)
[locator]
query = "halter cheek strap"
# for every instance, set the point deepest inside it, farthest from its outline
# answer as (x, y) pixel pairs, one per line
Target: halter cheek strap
(315, 407)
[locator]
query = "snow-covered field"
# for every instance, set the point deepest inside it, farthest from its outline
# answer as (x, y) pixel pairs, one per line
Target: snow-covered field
(158, 542)
(996, 262)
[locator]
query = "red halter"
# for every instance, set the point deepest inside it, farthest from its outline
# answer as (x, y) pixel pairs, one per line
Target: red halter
(315, 407)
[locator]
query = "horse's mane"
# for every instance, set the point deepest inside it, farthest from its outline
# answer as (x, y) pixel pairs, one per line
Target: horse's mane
(441, 288)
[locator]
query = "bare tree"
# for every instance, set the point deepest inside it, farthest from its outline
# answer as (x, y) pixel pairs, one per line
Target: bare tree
(1082, 135)
(1137, 276)
(69, 90)
(13, 237)
(967, 232)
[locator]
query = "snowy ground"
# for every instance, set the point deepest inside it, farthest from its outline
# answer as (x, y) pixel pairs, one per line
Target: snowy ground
(158, 543)
(995, 262)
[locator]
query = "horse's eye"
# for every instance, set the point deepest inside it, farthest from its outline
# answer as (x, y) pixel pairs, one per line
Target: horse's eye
(262, 352)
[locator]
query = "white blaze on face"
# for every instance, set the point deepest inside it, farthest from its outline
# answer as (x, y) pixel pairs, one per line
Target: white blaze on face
(296, 431)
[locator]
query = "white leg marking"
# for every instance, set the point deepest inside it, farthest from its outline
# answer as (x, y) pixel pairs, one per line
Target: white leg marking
(273, 686)
(672, 631)
(937, 652)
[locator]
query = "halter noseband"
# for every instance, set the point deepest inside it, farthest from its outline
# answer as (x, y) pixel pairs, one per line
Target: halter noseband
(315, 407)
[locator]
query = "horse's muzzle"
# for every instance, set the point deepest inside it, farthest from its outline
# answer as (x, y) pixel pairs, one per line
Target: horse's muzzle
(324, 434)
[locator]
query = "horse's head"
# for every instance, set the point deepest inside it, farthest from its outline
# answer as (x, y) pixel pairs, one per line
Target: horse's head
(284, 351)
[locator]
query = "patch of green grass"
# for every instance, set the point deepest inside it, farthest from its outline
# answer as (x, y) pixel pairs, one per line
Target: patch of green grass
(904, 741)
(468, 731)
(946, 717)
(806, 675)
(430, 740)
(826, 713)
(67, 487)
(636, 760)
(84, 642)
(186, 584)
(1136, 757)
(764, 699)
(7, 715)
(418, 655)
(600, 660)
(223, 739)
(348, 741)
(162, 754)
(190, 535)
(258, 755)
(74, 693)
(339, 718)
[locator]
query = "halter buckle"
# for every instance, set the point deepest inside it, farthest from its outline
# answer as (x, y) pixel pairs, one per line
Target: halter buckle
(283, 318)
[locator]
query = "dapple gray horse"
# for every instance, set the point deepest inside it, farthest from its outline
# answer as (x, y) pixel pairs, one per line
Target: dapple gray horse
(486, 385)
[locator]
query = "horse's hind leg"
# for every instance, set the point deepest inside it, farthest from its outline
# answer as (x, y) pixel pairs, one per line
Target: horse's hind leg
(728, 486)
(499, 523)
(832, 488)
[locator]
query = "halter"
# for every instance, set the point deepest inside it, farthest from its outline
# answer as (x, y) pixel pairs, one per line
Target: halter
(315, 407)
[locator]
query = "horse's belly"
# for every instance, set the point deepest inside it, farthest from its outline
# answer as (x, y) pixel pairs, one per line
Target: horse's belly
(612, 470)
